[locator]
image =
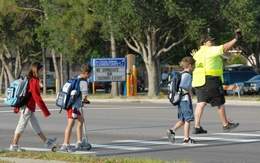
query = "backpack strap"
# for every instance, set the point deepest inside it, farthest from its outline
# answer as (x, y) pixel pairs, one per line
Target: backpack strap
(181, 89)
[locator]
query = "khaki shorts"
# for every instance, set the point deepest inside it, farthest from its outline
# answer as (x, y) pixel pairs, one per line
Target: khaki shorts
(25, 117)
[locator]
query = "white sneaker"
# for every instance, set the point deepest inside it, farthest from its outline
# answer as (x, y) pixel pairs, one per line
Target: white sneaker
(66, 148)
(49, 143)
(78, 146)
(15, 148)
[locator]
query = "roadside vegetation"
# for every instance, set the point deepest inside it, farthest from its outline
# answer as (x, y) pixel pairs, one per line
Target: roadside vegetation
(73, 158)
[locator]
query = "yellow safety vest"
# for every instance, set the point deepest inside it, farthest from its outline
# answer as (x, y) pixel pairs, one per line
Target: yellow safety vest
(208, 62)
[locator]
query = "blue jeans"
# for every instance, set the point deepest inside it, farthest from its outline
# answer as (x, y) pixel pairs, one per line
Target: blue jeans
(185, 111)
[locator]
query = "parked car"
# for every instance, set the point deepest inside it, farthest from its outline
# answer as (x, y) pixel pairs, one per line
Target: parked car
(252, 85)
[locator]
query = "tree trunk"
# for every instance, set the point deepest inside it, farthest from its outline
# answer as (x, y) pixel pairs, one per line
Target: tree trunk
(6, 80)
(1, 79)
(61, 70)
(153, 78)
(18, 64)
(8, 71)
(44, 71)
(57, 76)
(114, 88)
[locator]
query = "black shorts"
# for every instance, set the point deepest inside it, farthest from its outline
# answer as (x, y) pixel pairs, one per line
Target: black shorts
(212, 92)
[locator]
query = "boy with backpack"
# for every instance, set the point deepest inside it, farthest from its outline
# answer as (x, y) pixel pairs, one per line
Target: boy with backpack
(73, 110)
(185, 110)
(25, 94)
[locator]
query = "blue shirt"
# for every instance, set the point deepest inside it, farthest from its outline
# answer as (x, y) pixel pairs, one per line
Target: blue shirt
(186, 80)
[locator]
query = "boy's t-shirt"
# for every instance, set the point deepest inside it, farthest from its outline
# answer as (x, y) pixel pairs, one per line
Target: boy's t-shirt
(186, 80)
(84, 92)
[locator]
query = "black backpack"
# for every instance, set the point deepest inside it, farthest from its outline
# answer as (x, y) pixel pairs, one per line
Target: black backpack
(174, 91)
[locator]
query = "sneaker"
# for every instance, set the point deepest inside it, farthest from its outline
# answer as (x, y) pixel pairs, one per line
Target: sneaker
(199, 130)
(15, 148)
(189, 141)
(171, 135)
(78, 145)
(49, 143)
(230, 126)
(66, 148)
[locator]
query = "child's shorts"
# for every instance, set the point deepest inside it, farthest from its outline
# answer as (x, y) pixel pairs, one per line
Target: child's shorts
(70, 113)
(185, 111)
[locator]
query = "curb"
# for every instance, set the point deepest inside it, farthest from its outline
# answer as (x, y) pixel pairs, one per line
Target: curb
(151, 100)
(23, 160)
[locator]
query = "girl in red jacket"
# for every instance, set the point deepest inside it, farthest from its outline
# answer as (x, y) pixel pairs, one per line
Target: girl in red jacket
(27, 115)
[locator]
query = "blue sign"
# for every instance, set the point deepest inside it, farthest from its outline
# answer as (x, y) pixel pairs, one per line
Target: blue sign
(109, 69)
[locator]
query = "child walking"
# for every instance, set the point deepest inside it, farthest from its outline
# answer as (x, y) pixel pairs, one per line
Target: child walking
(27, 112)
(73, 112)
(185, 110)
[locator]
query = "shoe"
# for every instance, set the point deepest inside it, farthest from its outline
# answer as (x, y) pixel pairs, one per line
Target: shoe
(15, 148)
(78, 146)
(189, 141)
(171, 135)
(199, 130)
(230, 126)
(66, 148)
(50, 142)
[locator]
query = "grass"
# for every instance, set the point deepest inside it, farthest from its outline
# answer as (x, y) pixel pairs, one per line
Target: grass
(5, 161)
(78, 158)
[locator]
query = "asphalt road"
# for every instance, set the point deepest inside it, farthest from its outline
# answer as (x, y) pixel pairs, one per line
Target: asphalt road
(138, 129)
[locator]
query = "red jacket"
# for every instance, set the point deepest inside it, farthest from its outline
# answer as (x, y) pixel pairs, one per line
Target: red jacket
(35, 97)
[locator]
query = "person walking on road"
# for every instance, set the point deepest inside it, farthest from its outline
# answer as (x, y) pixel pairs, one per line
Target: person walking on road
(27, 112)
(185, 110)
(208, 78)
(73, 112)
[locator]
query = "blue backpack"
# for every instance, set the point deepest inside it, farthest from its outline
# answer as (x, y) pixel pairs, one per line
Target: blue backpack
(175, 93)
(17, 94)
(69, 93)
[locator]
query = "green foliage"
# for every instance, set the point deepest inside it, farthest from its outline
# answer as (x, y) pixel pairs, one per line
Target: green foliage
(236, 59)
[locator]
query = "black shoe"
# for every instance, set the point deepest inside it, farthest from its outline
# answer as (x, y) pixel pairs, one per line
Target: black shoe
(230, 126)
(189, 141)
(199, 130)
(171, 136)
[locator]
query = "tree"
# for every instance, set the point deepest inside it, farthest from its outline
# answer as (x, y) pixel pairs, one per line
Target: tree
(65, 28)
(153, 28)
(245, 14)
(17, 23)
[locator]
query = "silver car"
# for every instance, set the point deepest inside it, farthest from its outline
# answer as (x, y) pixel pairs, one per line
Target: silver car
(252, 85)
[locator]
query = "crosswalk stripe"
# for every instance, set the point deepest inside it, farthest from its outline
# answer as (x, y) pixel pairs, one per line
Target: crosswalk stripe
(238, 134)
(48, 150)
(129, 148)
(156, 142)
(222, 139)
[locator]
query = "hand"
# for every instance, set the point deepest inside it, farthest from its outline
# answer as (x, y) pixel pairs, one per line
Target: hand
(238, 34)
(86, 102)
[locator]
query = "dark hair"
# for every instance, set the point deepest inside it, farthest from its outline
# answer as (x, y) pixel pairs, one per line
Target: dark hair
(34, 70)
(86, 68)
(204, 38)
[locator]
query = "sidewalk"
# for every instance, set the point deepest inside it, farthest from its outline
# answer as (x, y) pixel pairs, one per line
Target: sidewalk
(22, 160)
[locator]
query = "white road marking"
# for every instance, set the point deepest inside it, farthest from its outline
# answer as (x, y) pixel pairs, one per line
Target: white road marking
(222, 139)
(238, 134)
(48, 150)
(157, 142)
(129, 148)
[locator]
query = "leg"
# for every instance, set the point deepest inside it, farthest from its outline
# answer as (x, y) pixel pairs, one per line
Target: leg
(198, 113)
(36, 128)
(178, 125)
(80, 128)
(22, 123)
(186, 130)
(222, 115)
(68, 130)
